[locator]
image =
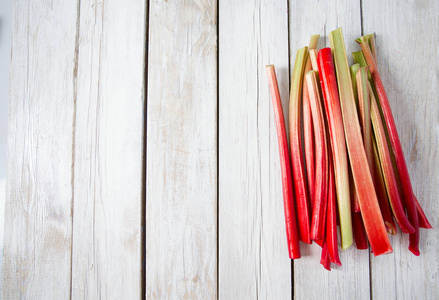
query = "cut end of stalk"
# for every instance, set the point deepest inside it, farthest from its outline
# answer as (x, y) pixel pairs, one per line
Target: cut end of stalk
(391, 229)
(414, 250)
(314, 41)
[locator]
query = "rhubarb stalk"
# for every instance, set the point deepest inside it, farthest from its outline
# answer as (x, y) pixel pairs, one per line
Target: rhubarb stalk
(287, 184)
(360, 236)
(336, 132)
(395, 146)
(364, 105)
(380, 188)
(325, 260)
(370, 210)
(331, 215)
(302, 199)
(320, 188)
(308, 132)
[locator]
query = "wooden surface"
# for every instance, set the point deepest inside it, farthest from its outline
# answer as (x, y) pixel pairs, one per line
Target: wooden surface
(108, 151)
(181, 175)
(143, 156)
(253, 261)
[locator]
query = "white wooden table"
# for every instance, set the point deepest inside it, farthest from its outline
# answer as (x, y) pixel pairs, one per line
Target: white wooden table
(143, 157)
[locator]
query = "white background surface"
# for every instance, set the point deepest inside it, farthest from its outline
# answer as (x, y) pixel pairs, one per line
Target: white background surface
(5, 51)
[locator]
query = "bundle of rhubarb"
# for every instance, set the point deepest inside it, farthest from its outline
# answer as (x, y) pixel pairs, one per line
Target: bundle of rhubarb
(350, 169)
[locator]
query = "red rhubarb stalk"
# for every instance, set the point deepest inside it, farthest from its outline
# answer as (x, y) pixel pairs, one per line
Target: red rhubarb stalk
(331, 215)
(287, 184)
(295, 124)
(360, 235)
(338, 145)
(396, 147)
(320, 189)
(387, 169)
(325, 260)
(370, 210)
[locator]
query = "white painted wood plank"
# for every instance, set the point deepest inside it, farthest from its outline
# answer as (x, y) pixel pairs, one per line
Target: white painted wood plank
(407, 40)
(181, 202)
(311, 280)
(253, 252)
(38, 233)
(108, 145)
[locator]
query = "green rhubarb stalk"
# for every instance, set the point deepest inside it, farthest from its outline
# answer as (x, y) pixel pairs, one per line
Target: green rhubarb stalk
(295, 125)
(370, 210)
(354, 69)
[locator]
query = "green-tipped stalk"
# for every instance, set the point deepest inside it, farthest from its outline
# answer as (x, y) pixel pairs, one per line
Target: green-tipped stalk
(308, 131)
(334, 117)
(354, 69)
(295, 124)
(371, 41)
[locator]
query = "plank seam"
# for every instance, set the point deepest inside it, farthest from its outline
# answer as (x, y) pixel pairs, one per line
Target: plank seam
(75, 96)
(144, 160)
(217, 149)
(289, 80)
(361, 16)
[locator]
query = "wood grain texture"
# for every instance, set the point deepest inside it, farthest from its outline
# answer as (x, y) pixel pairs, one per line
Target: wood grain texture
(38, 220)
(407, 40)
(181, 201)
(311, 280)
(253, 253)
(108, 151)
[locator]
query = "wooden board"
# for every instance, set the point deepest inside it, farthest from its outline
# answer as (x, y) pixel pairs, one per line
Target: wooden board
(253, 253)
(311, 280)
(181, 200)
(214, 209)
(407, 40)
(108, 151)
(38, 218)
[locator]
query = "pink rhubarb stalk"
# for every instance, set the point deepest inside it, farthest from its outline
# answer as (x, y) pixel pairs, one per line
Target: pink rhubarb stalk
(308, 131)
(295, 124)
(320, 189)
